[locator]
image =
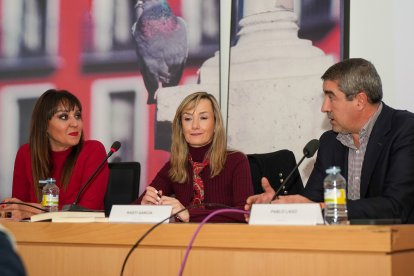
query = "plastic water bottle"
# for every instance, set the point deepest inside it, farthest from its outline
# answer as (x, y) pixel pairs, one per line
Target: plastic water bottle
(335, 197)
(50, 195)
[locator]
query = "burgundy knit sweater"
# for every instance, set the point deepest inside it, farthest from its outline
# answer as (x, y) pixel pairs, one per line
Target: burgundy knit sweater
(231, 187)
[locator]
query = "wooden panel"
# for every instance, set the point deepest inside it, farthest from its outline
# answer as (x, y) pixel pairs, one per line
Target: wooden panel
(219, 249)
(402, 237)
(97, 260)
(75, 260)
(287, 263)
(403, 263)
(352, 238)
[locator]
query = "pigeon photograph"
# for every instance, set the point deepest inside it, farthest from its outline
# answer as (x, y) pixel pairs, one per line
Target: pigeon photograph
(161, 43)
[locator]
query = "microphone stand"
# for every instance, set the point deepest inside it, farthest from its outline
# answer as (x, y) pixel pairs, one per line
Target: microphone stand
(308, 151)
(74, 207)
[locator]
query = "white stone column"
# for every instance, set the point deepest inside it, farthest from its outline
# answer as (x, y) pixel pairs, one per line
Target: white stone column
(275, 91)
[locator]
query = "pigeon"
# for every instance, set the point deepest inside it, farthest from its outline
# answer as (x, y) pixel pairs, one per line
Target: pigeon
(161, 45)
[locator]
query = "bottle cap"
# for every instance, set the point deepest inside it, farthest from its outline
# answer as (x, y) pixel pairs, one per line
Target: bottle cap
(333, 170)
(51, 180)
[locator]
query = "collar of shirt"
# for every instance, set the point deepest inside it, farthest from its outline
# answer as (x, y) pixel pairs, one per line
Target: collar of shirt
(346, 138)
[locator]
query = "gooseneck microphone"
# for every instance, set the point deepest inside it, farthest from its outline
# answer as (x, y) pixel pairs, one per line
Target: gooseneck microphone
(74, 206)
(308, 151)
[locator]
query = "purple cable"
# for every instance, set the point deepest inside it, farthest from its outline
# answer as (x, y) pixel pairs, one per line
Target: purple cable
(187, 252)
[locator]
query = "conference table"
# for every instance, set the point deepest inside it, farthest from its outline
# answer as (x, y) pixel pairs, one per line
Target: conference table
(219, 249)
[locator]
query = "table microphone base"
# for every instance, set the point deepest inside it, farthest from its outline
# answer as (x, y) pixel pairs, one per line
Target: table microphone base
(76, 208)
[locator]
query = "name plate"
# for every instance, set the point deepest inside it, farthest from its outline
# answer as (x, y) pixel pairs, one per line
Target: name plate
(140, 213)
(286, 214)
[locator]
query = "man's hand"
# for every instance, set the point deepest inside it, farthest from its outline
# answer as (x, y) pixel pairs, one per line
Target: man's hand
(265, 197)
(268, 195)
(291, 199)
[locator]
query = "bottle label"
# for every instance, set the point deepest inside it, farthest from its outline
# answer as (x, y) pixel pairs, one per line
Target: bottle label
(335, 196)
(50, 200)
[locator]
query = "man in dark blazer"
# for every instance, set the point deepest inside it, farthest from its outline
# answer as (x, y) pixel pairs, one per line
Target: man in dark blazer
(372, 143)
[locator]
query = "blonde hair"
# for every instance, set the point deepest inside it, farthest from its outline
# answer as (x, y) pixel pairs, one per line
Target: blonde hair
(179, 147)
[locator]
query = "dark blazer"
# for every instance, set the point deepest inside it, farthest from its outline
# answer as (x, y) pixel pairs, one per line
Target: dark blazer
(10, 262)
(387, 176)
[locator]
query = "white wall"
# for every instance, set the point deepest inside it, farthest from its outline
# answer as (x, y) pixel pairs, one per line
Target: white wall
(382, 32)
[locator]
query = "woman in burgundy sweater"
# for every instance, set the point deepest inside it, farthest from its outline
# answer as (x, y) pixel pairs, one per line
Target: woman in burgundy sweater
(202, 173)
(57, 149)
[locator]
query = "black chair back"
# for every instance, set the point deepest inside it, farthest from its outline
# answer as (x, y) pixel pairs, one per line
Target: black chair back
(275, 166)
(123, 184)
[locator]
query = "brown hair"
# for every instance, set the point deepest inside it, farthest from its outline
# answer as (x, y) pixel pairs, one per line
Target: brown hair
(179, 147)
(46, 106)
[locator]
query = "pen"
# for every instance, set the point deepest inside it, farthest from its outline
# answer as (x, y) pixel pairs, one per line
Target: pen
(274, 197)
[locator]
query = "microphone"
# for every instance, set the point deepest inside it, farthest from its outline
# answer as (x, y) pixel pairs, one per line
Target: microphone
(308, 151)
(74, 206)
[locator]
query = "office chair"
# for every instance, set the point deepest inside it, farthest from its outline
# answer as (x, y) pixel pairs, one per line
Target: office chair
(275, 166)
(123, 184)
